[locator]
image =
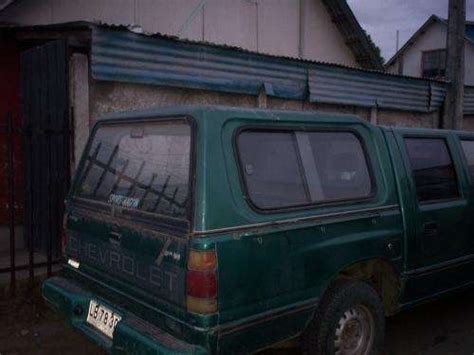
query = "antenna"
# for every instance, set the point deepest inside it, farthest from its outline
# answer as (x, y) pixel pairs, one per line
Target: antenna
(397, 44)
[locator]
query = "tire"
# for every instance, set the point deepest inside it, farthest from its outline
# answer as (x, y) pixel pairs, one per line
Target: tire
(349, 320)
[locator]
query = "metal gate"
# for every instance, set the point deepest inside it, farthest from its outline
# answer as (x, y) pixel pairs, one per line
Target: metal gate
(46, 132)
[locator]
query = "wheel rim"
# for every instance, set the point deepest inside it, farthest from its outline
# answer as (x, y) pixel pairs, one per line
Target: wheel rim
(355, 332)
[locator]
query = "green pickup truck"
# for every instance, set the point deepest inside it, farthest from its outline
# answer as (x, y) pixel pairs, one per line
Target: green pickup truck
(225, 230)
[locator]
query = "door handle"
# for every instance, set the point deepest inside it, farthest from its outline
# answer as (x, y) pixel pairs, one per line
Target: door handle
(430, 229)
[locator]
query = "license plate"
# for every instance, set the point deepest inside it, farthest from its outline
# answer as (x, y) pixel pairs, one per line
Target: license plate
(102, 318)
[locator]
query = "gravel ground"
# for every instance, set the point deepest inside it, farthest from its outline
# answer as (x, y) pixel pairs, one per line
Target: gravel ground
(28, 326)
(445, 326)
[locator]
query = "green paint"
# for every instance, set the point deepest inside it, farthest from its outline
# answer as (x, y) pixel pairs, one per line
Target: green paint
(272, 267)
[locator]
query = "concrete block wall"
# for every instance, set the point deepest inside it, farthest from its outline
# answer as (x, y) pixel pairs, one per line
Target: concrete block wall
(408, 119)
(468, 123)
(107, 97)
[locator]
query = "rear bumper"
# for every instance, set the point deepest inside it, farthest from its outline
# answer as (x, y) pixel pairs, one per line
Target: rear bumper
(133, 335)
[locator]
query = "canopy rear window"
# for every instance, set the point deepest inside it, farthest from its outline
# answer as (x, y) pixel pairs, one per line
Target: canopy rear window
(139, 165)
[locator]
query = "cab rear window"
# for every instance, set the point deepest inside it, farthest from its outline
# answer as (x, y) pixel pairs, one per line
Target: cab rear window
(294, 168)
(142, 166)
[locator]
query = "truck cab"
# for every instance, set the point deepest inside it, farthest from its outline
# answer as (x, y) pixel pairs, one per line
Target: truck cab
(226, 230)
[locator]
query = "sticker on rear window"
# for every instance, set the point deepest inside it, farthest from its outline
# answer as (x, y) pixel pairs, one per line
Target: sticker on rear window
(124, 201)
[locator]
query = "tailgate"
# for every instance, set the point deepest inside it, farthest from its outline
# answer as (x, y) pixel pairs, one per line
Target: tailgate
(128, 215)
(131, 257)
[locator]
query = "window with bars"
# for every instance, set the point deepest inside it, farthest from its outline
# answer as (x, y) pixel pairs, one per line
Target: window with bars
(142, 166)
(433, 64)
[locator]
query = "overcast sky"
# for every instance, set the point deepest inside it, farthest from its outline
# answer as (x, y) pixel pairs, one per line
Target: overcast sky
(382, 18)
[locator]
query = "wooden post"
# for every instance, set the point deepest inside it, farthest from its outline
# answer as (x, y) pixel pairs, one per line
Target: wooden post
(453, 113)
(262, 98)
(373, 115)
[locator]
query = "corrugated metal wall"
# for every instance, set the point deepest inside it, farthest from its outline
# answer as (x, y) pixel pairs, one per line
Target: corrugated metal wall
(123, 56)
(469, 100)
(129, 57)
(351, 87)
(341, 86)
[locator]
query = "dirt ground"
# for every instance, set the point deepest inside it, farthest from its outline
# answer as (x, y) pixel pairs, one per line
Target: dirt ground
(445, 326)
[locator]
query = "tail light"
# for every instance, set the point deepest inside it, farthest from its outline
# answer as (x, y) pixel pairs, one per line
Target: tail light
(201, 282)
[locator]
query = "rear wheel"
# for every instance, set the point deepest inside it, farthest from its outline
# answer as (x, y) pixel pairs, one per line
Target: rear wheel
(350, 321)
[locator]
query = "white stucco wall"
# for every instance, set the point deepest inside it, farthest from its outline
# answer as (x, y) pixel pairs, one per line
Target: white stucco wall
(322, 39)
(433, 38)
(267, 26)
(278, 27)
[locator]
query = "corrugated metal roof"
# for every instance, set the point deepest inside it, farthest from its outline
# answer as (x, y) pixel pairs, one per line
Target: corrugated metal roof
(356, 38)
(129, 57)
(97, 25)
(339, 86)
(260, 56)
(119, 55)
